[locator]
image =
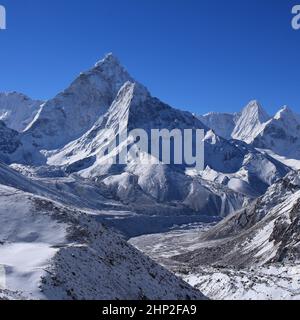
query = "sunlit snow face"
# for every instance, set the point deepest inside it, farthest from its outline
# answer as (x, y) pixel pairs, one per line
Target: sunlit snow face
(2, 277)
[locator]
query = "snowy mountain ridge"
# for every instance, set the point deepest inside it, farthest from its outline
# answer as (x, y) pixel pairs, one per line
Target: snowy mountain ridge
(67, 133)
(17, 110)
(279, 136)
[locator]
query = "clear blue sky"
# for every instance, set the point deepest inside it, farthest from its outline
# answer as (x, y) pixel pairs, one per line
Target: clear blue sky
(197, 55)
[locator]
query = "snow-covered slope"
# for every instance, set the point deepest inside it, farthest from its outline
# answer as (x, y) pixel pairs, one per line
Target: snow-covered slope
(281, 134)
(52, 251)
(267, 231)
(275, 281)
(18, 110)
(250, 122)
(223, 124)
(252, 254)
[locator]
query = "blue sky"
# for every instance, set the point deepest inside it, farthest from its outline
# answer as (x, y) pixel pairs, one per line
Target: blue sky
(197, 55)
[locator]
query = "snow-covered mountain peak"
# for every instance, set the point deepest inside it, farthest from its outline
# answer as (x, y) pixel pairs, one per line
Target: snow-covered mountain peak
(17, 110)
(69, 130)
(254, 109)
(112, 70)
(244, 125)
(74, 111)
(281, 134)
(285, 112)
(250, 122)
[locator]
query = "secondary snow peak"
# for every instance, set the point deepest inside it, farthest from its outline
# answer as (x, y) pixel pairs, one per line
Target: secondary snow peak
(18, 110)
(250, 122)
(285, 111)
(255, 109)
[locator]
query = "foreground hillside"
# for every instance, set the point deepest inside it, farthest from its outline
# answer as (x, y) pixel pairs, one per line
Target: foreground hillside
(52, 251)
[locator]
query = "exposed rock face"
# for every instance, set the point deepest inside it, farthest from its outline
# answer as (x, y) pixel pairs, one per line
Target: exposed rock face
(10, 140)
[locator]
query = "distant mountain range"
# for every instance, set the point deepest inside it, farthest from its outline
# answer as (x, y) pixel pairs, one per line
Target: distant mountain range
(53, 160)
(66, 133)
(280, 134)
